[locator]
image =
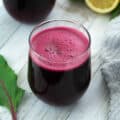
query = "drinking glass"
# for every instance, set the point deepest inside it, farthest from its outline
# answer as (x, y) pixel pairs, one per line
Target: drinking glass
(59, 68)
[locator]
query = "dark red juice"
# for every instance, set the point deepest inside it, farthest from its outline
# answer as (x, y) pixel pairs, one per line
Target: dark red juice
(59, 65)
(29, 11)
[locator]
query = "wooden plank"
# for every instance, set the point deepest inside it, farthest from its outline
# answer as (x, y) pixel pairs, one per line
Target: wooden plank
(4, 114)
(1, 3)
(16, 49)
(8, 27)
(97, 32)
(64, 9)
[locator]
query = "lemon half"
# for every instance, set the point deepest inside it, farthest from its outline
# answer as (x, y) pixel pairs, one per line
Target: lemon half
(102, 6)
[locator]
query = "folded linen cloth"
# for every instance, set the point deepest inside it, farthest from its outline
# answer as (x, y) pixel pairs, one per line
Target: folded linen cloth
(111, 67)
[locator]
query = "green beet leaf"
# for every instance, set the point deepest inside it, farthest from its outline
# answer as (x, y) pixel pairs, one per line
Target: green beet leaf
(116, 12)
(10, 94)
(77, 1)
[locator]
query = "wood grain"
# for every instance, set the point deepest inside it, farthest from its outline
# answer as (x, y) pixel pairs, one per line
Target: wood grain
(7, 27)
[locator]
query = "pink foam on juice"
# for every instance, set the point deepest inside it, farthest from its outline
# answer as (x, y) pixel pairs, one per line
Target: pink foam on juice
(59, 48)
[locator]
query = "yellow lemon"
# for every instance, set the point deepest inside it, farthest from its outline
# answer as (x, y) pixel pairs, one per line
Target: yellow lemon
(102, 6)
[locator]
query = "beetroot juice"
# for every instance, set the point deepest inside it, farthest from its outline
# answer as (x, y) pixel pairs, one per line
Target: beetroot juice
(29, 11)
(59, 64)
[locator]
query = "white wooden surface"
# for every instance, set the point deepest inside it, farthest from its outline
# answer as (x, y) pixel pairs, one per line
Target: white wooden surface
(14, 46)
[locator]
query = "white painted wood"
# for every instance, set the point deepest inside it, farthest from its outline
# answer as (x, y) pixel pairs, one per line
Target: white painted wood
(8, 27)
(94, 104)
(1, 2)
(16, 49)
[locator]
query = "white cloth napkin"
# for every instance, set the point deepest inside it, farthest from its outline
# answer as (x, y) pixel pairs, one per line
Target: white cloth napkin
(111, 67)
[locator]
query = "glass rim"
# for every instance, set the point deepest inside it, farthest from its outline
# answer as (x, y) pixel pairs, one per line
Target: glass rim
(57, 20)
